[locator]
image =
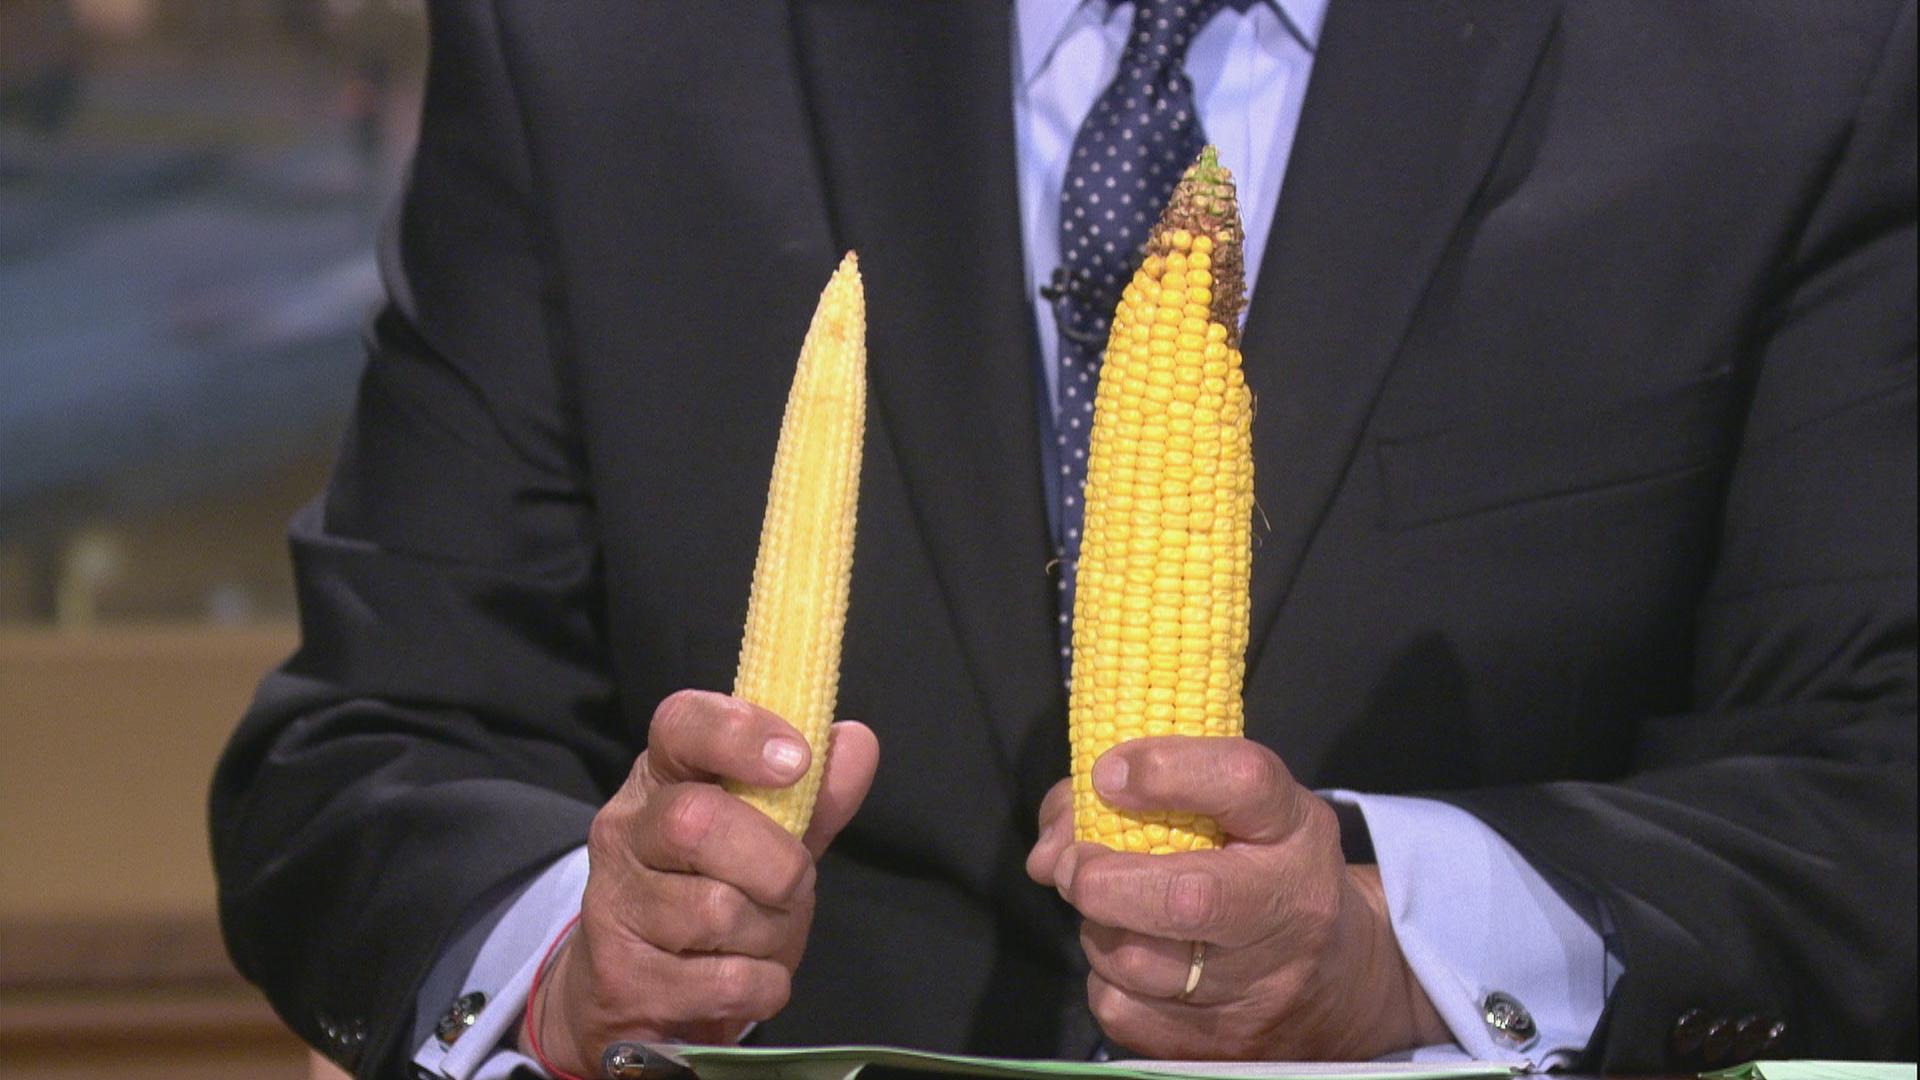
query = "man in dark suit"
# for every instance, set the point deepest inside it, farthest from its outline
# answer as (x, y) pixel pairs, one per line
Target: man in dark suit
(1585, 349)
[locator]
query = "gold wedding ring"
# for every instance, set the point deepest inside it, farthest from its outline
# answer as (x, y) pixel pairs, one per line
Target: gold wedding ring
(1196, 967)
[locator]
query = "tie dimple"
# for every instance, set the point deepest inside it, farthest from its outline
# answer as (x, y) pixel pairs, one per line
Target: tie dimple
(1138, 138)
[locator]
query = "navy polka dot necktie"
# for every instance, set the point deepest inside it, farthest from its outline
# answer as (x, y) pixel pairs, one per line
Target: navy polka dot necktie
(1141, 134)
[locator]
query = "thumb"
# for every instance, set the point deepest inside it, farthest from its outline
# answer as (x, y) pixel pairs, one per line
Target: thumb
(853, 753)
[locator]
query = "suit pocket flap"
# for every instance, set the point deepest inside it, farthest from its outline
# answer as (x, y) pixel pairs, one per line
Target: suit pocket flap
(1474, 469)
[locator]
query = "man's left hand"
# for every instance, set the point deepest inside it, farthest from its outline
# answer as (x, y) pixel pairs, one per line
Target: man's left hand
(1300, 958)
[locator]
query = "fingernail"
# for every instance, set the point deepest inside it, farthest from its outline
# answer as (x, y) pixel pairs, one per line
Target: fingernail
(1063, 872)
(784, 755)
(1110, 775)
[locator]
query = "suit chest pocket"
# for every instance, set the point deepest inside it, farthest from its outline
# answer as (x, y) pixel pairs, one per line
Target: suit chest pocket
(1487, 467)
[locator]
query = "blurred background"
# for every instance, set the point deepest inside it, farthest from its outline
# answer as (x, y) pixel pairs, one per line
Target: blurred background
(189, 192)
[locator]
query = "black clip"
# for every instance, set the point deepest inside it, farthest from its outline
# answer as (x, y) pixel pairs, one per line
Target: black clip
(1063, 286)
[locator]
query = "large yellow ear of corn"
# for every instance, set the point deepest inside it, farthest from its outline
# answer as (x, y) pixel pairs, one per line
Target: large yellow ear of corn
(1160, 615)
(790, 654)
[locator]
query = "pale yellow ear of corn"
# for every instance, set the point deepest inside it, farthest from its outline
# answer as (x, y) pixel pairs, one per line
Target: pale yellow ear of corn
(796, 614)
(1160, 613)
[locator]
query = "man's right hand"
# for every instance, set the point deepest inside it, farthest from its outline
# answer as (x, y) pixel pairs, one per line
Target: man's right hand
(697, 905)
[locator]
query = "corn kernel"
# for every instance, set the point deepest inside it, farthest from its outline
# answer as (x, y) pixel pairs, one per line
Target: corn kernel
(1160, 621)
(796, 613)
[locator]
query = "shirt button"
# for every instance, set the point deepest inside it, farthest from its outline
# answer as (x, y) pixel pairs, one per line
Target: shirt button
(1775, 1039)
(1689, 1032)
(1749, 1035)
(1508, 1020)
(350, 1040)
(1718, 1042)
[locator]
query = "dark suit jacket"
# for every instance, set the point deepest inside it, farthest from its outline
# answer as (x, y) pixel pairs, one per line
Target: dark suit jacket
(1585, 355)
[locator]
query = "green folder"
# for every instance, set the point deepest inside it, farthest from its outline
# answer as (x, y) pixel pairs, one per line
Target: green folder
(1816, 1070)
(845, 1063)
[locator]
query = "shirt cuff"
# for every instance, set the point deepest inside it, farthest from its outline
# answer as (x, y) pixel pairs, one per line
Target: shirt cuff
(494, 990)
(1475, 919)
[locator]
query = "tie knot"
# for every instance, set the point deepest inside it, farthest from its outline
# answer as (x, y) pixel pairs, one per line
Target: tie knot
(1162, 29)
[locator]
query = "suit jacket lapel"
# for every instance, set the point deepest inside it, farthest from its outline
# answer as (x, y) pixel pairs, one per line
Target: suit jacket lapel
(1408, 104)
(914, 123)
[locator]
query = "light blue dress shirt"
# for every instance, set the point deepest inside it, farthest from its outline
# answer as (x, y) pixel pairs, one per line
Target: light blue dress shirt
(1471, 915)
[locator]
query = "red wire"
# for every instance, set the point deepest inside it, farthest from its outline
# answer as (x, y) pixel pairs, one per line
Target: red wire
(533, 995)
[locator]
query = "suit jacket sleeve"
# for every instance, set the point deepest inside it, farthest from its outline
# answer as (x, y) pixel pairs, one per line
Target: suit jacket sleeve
(1760, 860)
(444, 729)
